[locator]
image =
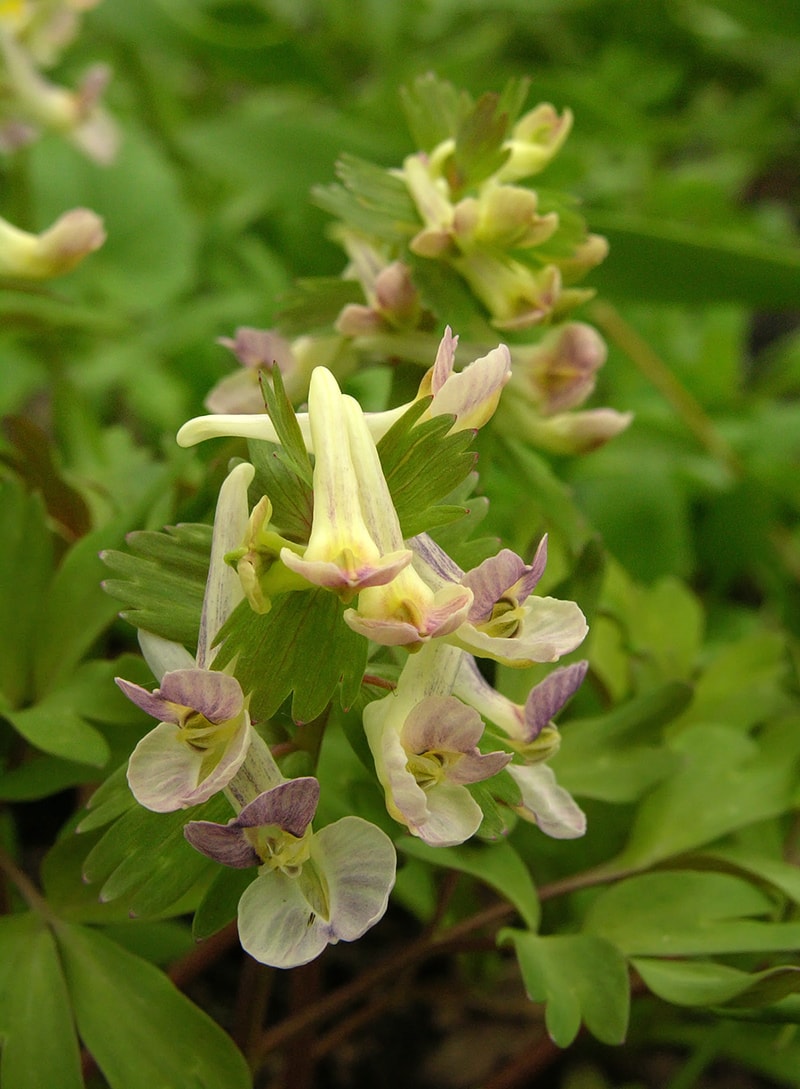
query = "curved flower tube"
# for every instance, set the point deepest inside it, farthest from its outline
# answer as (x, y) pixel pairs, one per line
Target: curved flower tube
(204, 730)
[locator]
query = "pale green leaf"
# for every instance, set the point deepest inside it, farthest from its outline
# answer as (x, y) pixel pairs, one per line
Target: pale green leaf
(580, 977)
(138, 1027)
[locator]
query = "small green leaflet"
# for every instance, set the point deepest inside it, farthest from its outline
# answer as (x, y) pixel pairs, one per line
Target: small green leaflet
(308, 650)
(423, 464)
(580, 977)
(161, 580)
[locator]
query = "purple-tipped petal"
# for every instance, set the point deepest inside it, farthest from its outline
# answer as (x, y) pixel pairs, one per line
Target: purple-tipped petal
(550, 695)
(490, 580)
(498, 575)
(290, 805)
(476, 766)
(165, 773)
(152, 703)
(216, 696)
(225, 843)
(334, 576)
(441, 724)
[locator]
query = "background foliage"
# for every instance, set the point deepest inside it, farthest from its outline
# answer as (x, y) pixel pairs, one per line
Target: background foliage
(680, 540)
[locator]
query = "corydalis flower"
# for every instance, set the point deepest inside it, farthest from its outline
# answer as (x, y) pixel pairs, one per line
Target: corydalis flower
(313, 888)
(471, 395)
(341, 555)
(523, 723)
(199, 744)
(403, 611)
(204, 731)
(535, 738)
(506, 621)
(425, 745)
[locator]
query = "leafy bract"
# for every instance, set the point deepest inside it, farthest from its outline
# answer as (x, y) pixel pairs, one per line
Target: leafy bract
(161, 580)
(309, 648)
(422, 464)
(580, 977)
(144, 858)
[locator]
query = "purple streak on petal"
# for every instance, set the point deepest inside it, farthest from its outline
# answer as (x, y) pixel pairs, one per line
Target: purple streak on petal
(225, 843)
(290, 805)
(216, 696)
(152, 703)
(435, 560)
(442, 724)
(445, 359)
(388, 633)
(490, 580)
(549, 696)
(533, 573)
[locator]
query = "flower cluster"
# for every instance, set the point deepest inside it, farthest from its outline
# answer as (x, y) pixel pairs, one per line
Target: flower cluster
(439, 733)
(33, 33)
(460, 212)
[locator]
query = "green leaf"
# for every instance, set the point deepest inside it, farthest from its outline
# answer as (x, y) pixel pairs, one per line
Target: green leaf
(293, 452)
(371, 199)
(144, 858)
(617, 757)
(497, 865)
(478, 152)
(685, 913)
(423, 464)
(580, 977)
(292, 500)
(26, 565)
(309, 648)
(705, 983)
(434, 109)
(39, 1045)
(670, 262)
(137, 1026)
(781, 875)
(725, 781)
(162, 579)
(221, 901)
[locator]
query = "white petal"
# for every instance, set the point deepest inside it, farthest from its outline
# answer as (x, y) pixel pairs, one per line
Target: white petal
(164, 772)
(453, 816)
(276, 923)
(162, 655)
(223, 587)
(358, 861)
(551, 806)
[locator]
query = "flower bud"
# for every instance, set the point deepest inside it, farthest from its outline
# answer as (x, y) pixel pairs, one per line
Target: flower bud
(53, 252)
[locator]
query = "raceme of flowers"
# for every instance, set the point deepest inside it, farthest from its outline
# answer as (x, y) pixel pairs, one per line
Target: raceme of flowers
(435, 734)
